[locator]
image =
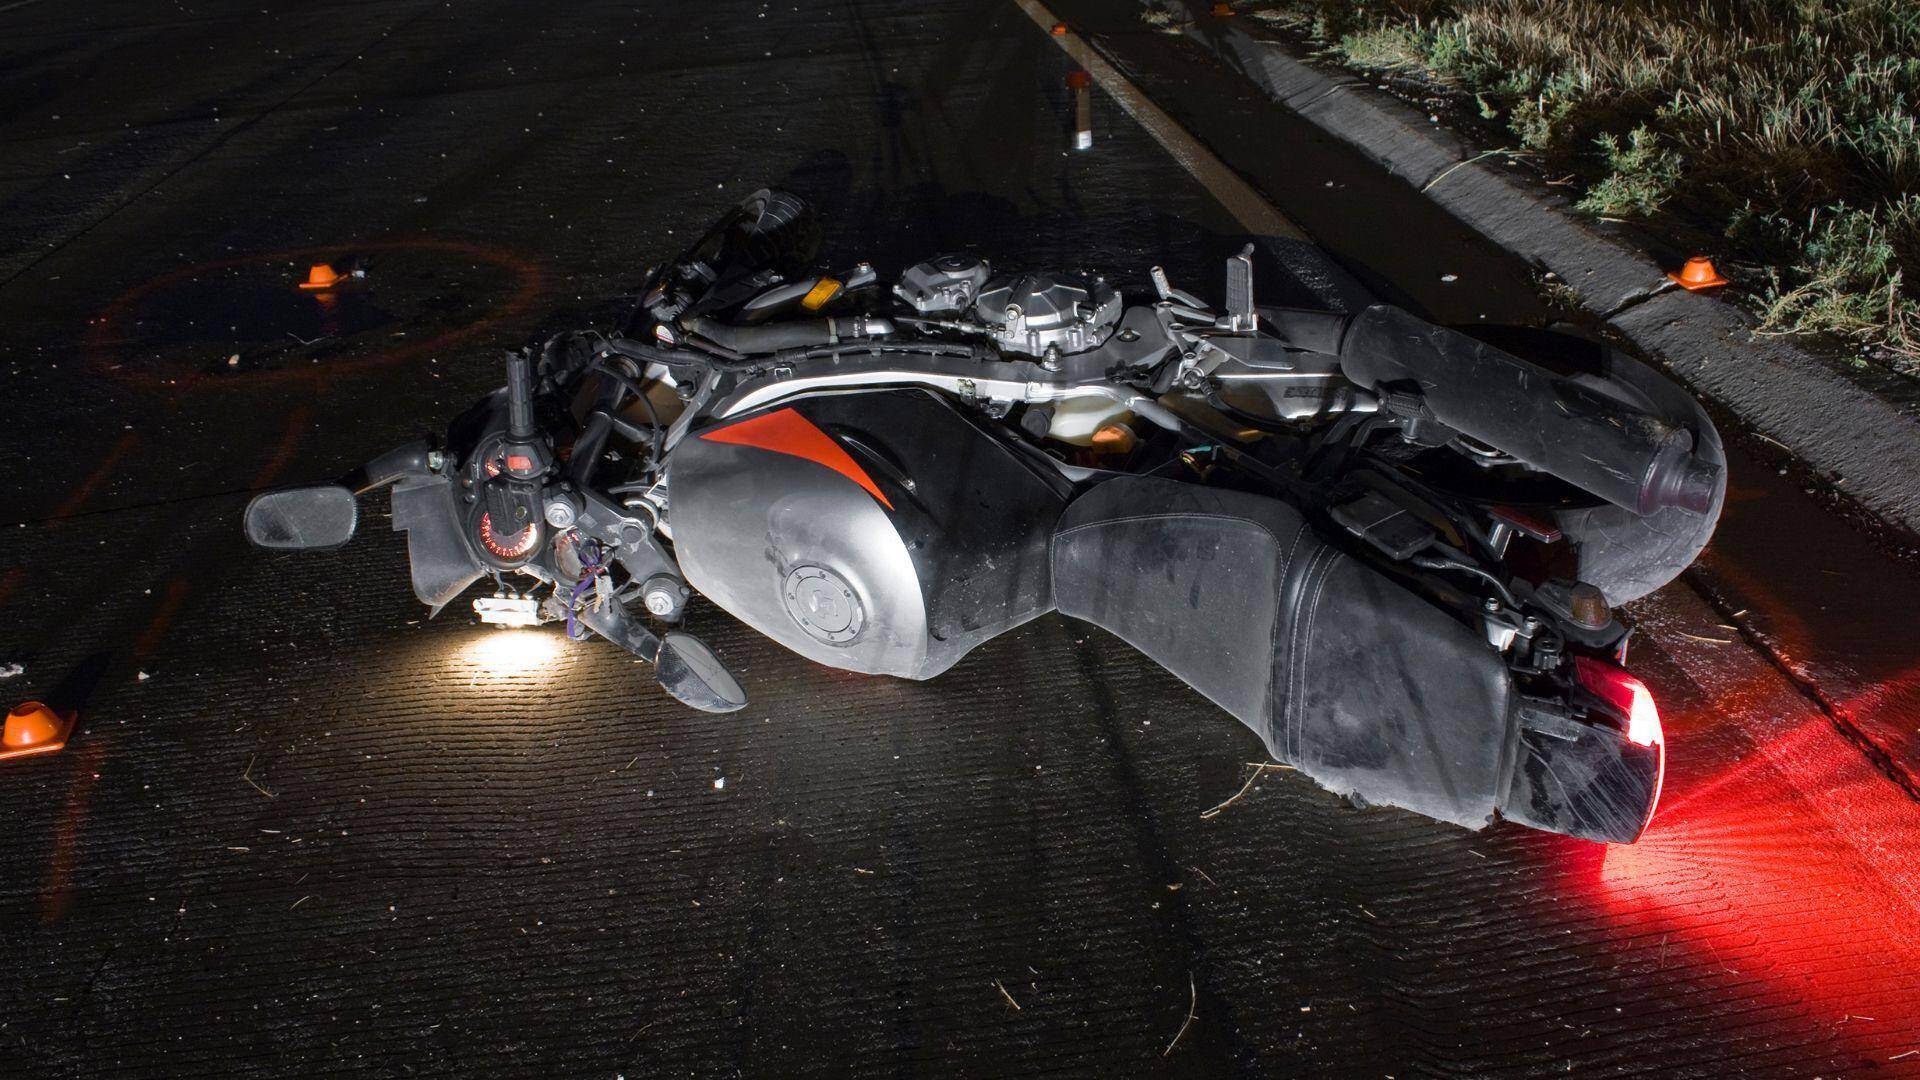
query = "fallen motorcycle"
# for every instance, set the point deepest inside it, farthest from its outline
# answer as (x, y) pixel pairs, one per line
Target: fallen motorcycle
(1391, 549)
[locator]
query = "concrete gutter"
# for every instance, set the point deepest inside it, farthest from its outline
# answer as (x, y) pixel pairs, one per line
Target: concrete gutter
(1839, 427)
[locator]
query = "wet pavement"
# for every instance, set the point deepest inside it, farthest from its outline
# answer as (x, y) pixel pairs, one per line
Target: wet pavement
(303, 829)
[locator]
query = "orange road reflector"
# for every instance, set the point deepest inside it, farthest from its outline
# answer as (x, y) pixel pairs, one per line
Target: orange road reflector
(1078, 80)
(1223, 11)
(1698, 274)
(824, 290)
(34, 728)
(321, 276)
(1059, 29)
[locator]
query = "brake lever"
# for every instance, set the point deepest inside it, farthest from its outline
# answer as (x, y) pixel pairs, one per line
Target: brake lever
(416, 458)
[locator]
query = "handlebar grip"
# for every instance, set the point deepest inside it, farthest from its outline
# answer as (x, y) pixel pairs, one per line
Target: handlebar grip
(519, 396)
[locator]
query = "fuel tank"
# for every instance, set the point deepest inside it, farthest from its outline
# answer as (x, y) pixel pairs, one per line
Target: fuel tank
(884, 531)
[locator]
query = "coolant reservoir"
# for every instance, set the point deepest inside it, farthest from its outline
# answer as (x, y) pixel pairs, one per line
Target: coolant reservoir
(1077, 418)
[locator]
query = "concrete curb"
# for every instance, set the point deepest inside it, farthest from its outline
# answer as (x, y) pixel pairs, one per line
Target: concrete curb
(1868, 446)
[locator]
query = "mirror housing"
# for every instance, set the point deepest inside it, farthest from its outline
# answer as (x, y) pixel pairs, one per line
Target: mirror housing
(303, 519)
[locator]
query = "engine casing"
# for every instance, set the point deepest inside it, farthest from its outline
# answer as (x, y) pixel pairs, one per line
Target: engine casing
(883, 532)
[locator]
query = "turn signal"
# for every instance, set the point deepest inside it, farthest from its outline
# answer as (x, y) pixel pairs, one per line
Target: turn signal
(826, 289)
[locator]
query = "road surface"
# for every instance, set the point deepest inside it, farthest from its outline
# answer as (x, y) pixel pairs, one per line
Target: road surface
(304, 830)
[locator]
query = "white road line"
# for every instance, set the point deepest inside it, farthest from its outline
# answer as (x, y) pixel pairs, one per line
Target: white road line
(1248, 207)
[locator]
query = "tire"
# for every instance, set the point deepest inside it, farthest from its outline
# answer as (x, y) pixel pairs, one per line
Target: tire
(1623, 554)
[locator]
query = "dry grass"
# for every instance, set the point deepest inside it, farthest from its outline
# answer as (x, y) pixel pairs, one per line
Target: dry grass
(1788, 125)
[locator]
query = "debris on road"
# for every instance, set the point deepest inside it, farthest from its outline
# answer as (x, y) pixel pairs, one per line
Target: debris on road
(1193, 1004)
(1258, 768)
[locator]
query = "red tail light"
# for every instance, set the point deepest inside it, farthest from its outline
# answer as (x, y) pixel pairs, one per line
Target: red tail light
(1616, 687)
(1621, 690)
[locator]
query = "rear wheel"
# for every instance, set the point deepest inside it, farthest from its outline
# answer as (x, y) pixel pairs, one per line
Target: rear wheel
(1623, 554)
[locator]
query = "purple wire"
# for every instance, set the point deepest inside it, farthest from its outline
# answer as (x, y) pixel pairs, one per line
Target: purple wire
(589, 569)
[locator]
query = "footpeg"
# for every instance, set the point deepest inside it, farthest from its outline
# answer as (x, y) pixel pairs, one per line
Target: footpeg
(686, 668)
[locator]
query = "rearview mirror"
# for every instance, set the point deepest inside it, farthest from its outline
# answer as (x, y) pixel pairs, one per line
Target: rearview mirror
(303, 519)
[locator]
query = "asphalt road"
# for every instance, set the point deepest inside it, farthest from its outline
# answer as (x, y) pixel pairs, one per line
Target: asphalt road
(303, 830)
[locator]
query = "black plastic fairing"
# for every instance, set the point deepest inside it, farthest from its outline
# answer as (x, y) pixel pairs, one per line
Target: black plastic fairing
(443, 563)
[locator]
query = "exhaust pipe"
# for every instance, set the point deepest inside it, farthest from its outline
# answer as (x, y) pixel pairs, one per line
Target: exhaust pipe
(1560, 427)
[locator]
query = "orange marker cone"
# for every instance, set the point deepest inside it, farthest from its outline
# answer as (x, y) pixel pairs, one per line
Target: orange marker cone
(34, 728)
(1223, 11)
(1698, 274)
(1059, 29)
(321, 276)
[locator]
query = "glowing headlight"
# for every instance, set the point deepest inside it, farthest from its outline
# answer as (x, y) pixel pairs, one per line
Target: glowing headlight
(513, 652)
(507, 610)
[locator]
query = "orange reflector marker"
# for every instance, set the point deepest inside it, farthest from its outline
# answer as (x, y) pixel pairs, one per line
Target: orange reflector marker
(321, 276)
(1223, 11)
(1059, 29)
(34, 728)
(1698, 274)
(817, 297)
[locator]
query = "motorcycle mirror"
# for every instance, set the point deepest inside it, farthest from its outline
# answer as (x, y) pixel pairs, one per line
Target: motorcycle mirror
(688, 670)
(303, 519)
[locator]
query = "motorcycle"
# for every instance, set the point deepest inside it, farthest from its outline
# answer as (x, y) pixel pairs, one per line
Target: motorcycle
(1392, 549)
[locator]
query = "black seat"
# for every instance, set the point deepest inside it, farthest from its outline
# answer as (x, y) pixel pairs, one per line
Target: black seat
(1354, 680)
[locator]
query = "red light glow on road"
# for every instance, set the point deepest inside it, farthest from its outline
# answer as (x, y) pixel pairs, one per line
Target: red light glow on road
(1797, 868)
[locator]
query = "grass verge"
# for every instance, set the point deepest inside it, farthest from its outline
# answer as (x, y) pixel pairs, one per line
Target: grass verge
(1787, 127)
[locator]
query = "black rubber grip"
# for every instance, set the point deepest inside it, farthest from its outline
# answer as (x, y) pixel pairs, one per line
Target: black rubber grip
(519, 397)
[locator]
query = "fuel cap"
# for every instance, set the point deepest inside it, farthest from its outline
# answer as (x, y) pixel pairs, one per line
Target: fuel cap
(824, 604)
